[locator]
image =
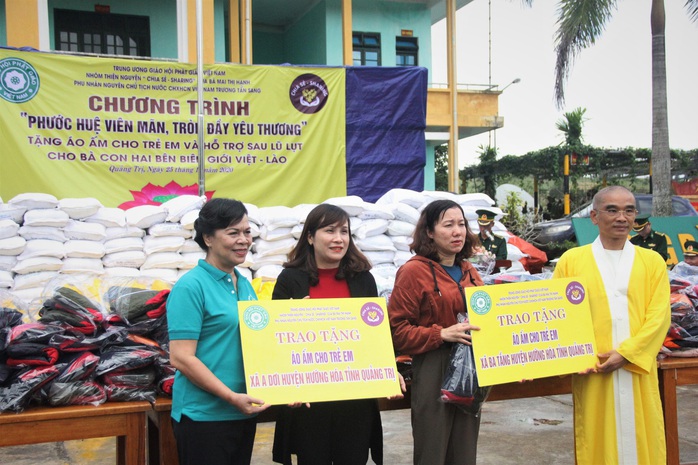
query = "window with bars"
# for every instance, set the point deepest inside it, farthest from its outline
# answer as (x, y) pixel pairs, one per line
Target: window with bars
(367, 48)
(108, 34)
(406, 51)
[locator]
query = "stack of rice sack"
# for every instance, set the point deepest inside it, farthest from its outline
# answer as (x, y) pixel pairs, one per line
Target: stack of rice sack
(94, 340)
(42, 237)
(682, 338)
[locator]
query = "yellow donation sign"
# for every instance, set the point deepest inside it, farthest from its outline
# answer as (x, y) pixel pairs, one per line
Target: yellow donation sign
(313, 350)
(531, 330)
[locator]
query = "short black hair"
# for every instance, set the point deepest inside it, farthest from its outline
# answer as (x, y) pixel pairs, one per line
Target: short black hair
(217, 214)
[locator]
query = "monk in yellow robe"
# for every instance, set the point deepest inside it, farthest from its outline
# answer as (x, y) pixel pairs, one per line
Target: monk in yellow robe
(617, 409)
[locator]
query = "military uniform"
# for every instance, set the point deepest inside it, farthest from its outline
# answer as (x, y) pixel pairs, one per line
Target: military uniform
(497, 245)
(654, 241)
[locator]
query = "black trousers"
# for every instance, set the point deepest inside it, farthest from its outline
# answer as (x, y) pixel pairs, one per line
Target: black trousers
(214, 442)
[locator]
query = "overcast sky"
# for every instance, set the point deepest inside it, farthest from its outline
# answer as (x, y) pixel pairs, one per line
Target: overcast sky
(612, 79)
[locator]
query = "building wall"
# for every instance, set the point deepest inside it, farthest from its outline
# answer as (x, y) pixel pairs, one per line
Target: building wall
(305, 42)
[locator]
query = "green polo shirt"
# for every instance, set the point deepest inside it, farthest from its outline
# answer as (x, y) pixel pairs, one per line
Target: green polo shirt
(203, 306)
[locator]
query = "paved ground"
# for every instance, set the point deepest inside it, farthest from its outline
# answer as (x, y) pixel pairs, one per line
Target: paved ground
(536, 430)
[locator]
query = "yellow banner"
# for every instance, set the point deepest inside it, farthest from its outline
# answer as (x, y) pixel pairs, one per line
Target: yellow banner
(126, 131)
(314, 350)
(531, 330)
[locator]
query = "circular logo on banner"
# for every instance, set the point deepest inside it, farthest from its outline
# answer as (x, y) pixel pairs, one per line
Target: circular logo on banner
(256, 317)
(480, 302)
(308, 93)
(19, 81)
(372, 314)
(575, 293)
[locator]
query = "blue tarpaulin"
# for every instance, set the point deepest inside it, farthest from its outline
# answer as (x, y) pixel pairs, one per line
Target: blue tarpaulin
(385, 123)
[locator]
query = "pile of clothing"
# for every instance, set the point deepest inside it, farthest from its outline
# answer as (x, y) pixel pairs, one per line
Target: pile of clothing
(84, 349)
(682, 338)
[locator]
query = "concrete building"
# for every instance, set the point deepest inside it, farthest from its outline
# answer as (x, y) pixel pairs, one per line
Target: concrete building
(299, 32)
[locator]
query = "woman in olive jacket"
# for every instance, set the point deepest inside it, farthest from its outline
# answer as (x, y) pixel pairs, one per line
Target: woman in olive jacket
(427, 296)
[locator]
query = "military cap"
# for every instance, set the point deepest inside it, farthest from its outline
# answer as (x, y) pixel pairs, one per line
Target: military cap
(484, 216)
(640, 222)
(690, 248)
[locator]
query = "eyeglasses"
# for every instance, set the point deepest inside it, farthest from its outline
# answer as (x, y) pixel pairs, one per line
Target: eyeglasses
(615, 213)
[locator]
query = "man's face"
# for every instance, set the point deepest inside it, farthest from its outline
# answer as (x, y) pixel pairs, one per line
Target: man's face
(610, 215)
(644, 232)
(486, 227)
(691, 259)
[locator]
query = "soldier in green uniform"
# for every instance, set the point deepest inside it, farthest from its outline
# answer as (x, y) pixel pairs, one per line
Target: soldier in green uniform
(490, 241)
(647, 238)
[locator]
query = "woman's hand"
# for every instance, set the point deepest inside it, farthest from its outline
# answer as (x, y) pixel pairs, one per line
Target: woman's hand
(458, 333)
(248, 405)
(299, 404)
(610, 361)
(403, 388)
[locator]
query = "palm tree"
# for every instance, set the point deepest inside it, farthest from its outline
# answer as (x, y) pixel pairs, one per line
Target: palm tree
(571, 125)
(580, 23)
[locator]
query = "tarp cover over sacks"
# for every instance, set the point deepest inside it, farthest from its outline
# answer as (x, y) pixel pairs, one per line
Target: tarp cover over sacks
(385, 121)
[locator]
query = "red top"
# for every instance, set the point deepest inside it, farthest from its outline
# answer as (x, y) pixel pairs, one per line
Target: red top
(328, 286)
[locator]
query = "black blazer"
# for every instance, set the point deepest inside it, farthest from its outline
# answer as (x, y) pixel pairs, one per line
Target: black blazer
(294, 283)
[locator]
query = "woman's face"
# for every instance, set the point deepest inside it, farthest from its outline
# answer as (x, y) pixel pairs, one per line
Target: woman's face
(449, 234)
(228, 247)
(330, 244)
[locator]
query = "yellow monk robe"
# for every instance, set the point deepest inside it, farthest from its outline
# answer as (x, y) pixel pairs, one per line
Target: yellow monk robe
(618, 416)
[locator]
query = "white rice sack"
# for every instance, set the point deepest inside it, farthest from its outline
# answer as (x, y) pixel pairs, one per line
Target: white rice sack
(130, 259)
(280, 247)
(123, 244)
(181, 205)
(253, 213)
(153, 244)
(276, 234)
(401, 257)
(82, 265)
(475, 199)
(373, 211)
(46, 217)
(354, 223)
(84, 249)
(278, 217)
(30, 295)
(191, 259)
(7, 262)
(145, 216)
(302, 211)
(31, 280)
(12, 245)
(32, 265)
(470, 212)
(258, 262)
(352, 204)
(78, 209)
(122, 272)
(6, 280)
(83, 230)
(402, 242)
(33, 200)
(379, 242)
(162, 260)
(514, 253)
(8, 228)
(166, 274)
(405, 196)
(385, 286)
(42, 232)
(376, 257)
(190, 245)
(246, 272)
(269, 271)
(169, 229)
(254, 230)
(296, 231)
(384, 270)
(109, 217)
(400, 228)
(371, 227)
(188, 219)
(42, 248)
(123, 231)
(12, 212)
(430, 196)
(404, 212)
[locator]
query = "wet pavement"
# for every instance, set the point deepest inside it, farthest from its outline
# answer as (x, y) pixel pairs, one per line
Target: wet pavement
(534, 430)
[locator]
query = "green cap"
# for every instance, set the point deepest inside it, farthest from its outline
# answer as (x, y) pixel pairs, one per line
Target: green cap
(484, 216)
(640, 222)
(690, 248)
